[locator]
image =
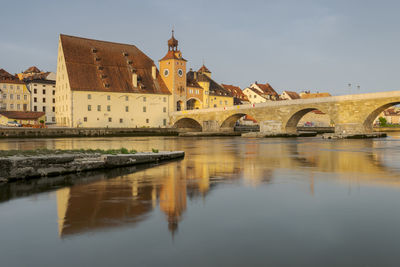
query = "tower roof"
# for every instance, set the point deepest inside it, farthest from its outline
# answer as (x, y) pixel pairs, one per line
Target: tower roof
(204, 69)
(172, 43)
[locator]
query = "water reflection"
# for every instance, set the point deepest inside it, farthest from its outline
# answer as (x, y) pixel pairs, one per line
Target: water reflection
(129, 199)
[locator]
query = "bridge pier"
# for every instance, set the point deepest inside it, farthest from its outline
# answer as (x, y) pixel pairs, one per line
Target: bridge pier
(271, 127)
(211, 126)
(351, 129)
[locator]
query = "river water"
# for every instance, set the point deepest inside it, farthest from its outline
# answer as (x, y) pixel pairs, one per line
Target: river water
(229, 202)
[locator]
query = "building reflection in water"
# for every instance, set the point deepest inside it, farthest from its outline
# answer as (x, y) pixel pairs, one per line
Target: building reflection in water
(129, 199)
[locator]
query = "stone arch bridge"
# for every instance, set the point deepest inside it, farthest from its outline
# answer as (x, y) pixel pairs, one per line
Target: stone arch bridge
(351, 114)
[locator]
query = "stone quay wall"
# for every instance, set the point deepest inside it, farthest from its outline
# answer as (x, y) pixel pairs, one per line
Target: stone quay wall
(25, 167)
(84, 132)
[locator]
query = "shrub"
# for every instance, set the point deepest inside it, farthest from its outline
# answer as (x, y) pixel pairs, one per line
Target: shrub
(382, 121)
(124, 151)
(154, 150)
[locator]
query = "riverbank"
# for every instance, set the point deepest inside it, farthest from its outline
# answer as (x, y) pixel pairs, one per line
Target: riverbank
(22, 167)
(84, 132)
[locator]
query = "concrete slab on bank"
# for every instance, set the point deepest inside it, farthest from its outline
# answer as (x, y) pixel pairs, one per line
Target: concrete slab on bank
(26, 167)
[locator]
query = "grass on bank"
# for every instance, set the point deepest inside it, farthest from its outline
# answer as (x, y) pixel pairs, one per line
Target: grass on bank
(45, 151)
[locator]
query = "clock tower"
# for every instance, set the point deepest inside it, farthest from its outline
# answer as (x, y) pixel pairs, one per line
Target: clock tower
(173, 72)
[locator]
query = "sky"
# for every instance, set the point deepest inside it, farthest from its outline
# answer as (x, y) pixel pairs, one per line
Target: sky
(319, 45)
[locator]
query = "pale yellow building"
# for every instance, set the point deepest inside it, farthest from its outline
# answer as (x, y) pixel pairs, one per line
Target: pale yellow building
(213, 94)
(105, 84)
(15, 96)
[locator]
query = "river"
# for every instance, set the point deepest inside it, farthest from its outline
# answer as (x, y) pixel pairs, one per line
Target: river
(229, 202)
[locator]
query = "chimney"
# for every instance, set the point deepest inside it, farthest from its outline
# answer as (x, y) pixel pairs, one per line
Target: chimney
(134, 78)
(154, 72)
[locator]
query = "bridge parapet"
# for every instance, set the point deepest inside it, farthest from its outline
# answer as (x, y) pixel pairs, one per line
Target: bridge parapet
(351, 114)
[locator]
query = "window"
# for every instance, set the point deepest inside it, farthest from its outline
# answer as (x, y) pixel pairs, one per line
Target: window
(25, 106)
(144, 109)
(44, 91)
(54, 91)
(44, 100)
(108, 97)
(126, 98)
(89, 96)
(121, 120)
(226, 102)
(127, 109)
(4, 96)
(85, 119)
(12, 106)
(108, 108)
(17, 87)
(35, 99)
(98, 107)
(53, 119)
(18, 106)
(44, 109)
(54, 100)
(215, 105)
(164, 109)
(11, 87)
(89, 107)
(35, 91)
(164, 99)
(34, 108)
(220, 102)
(165, 122)
(43, 86)
(147, 120)
(144, 99)
(54, 109)
(109, 119)
(25, 97)
(18, 97)
(11, 96)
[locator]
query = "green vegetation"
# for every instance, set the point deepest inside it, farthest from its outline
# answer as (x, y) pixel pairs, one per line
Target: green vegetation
(154, 150)
(382, 122)
(45, 151)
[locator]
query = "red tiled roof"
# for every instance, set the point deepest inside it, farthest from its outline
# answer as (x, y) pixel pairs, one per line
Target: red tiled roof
(94, 65)
(292, 95)
(267, 89)
(236, 91)
(204, 69)
(6, 77)
(22, 115)
(32, 69)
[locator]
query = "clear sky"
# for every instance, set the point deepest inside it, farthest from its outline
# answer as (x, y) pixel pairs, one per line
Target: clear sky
(320, 45)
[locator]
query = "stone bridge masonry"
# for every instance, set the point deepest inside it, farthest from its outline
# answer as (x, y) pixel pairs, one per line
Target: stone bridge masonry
(351, 114)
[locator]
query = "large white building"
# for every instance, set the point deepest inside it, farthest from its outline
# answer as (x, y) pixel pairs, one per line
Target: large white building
(105, 84)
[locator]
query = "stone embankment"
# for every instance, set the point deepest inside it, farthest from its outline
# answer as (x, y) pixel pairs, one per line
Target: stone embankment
(24, 167)
(84, 132)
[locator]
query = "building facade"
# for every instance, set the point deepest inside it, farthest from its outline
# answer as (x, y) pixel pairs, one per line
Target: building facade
(105, 84)
(15, 96)
(43, 98)
(239, 98)
(259, 93)
(173, 73)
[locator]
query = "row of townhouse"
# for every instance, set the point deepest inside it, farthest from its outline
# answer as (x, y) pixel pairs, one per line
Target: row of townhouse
(28, 92)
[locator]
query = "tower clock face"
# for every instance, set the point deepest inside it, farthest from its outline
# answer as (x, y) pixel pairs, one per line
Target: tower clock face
(180, 72)
(166, 72)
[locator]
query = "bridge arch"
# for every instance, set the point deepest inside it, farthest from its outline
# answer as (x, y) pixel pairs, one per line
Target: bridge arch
(369, 120)
(188, 123)
(193, 103)
(290, 125)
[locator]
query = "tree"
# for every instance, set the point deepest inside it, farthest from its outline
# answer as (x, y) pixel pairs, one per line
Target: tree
(382, 121)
